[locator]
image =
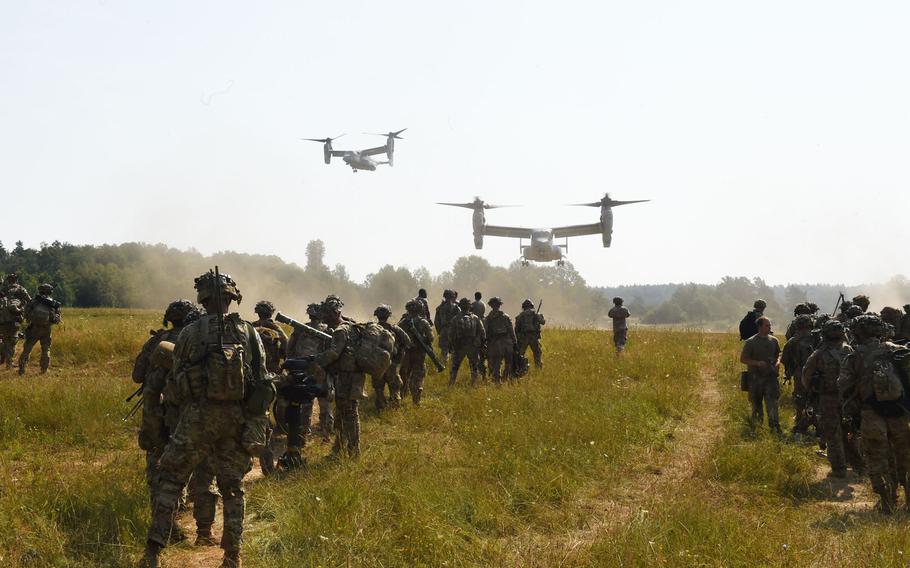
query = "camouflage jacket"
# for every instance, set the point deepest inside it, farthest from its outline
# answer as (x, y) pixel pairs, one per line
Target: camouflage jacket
(445, 312)
(499, 325)
(303, 344)
(826, 361)
(145, 371)
(412, 325)
(402, 340)
(795, 354)
(17, 291)
(855, 378)
(529, 322)
(275, 342)
(466, 328)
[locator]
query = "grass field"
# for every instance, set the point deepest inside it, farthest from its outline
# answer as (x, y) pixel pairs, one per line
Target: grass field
(595, 461)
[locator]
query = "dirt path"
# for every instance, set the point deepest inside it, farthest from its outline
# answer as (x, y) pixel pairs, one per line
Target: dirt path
(186, 555)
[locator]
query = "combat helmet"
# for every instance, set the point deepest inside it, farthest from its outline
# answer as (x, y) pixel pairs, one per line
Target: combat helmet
(862, 301)
(177, 312)
(264, 308)
(854, 311)
(464, 303)
(414, 306)
(813, 307)
(617, 301)
(314, 310)
(205, 286)
(494, 302)
(527, 304)
(802, 309)
(383, 311)
(332, 303)
(803, 321)
(869, 325)
(760, 304)
(45, 289)
(833, 329)
(12, 277)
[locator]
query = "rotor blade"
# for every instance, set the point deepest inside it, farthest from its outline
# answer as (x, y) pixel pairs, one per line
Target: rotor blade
(323, 140)
(395, 134)
(612, 203)
(465, 205)
(595, 204)
(488, 206)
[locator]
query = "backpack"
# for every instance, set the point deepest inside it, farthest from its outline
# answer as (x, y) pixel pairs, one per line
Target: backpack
(372, 347)
(498, 325)
(225, 363)
(41, 314)
(271, 342)
(747, 327)
(464, 327)
(887, 384)
(10, 310)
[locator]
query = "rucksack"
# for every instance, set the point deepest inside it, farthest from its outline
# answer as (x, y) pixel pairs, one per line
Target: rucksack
(10, 310)
(464, 327)
(271, 342)
(499, 325)
(372, 347)
(887, 383)
(747, 326)
(224, 364)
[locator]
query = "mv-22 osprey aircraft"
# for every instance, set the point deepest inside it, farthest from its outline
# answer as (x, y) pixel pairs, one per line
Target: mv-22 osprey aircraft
(360, 159)
(541, 247)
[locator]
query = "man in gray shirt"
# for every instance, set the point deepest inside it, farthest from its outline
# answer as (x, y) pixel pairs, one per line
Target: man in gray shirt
(761, 353)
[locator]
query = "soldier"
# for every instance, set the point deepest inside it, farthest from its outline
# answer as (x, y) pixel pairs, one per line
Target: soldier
(273, 337)
(844, 306)
(160, 415)
(11, 315)
(799, 310)
(338, 360)
(501, 341)
(467, 338)
(391, 376)
(795, 354)
(813, 308)
(225, 390)
(862, 301)
(904, 331)
(892, 316)
(42, 312)
(12, 289)
(761, 353)
(422, 298)
(478, 308)
(619, 314)
(445, 311)
(299, 416)
(527, 329)
(820, 375)
(870, 382)
(749, 326)
(414, 361)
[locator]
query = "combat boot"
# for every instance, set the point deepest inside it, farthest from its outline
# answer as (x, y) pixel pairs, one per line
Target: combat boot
(204, 537)
(150, 556)
(886, 502)
(231, 559)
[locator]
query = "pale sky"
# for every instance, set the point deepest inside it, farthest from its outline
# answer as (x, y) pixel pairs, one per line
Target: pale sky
(773, 137)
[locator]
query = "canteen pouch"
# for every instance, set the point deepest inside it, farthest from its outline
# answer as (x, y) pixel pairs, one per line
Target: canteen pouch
(744, 381)
(224, 373)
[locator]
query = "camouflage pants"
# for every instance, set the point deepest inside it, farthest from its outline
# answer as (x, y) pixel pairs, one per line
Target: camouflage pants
(444, 348)
(9, 336)
(620, 337)
(460, 352)
(326, 417)
(393, 380)
(500, 352)
(882, 435)
(841, 449)
(210, 431)
(801, 420)
(413, 371)
(347, 423)
(764, 392)
(33, 335)
(531, 340)
(200, 489)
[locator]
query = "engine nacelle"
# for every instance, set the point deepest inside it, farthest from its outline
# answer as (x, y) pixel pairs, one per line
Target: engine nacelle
(606, 225)
(327, 152)
(390, 150)
(479, 222)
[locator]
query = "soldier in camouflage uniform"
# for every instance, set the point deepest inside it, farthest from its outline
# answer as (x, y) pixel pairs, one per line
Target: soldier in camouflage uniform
(424, 304)
(527, 329)
(842, 316)
(11, 315)
(799, 310)
(12, 289)
(620, 315)
(42, 312)
(467, 338)
(903, 332)
(870, 382)
(795, 354)
(222, 383)
(303, 344)
(160, 415)
(501, 341)
(820, 375)
(391, 376)
(892, 316)
(338, 361)
(445, 312)
(414, 361)
(862, 301)
(273, 337)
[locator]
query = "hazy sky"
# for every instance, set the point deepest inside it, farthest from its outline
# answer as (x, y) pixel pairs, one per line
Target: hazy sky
(773, 137)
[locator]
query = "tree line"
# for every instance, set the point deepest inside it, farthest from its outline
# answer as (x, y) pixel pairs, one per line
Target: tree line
(137, 275)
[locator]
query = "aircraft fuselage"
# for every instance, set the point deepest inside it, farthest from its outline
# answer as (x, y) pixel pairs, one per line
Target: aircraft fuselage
(542, 248)
(358, 162)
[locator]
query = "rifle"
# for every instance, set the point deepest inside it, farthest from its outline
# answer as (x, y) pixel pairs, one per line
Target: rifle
(219, 312)
(135, 408)
(298, 326)
(840, 300)
(426, 348)
(536, 315)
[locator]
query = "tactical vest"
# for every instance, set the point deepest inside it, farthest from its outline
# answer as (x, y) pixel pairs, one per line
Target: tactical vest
(10, 310)
(226, 363)
(526, 322)
(498, 325)
(829, 363)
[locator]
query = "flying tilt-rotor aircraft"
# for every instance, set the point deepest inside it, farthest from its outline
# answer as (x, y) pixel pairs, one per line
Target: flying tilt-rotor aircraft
(360, 159)
(541, 247)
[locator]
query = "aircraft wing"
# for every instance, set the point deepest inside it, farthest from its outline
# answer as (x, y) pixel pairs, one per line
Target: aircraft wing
(514, 232)
(577, 230)
(374, 151)
(341, 153)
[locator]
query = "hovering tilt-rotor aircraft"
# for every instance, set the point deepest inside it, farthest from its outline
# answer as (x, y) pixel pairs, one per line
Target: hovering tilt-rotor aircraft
(360, 159)
(541, 247)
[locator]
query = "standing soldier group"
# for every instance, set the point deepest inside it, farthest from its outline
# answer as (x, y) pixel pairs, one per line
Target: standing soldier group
(38, 314)
(851, 376)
